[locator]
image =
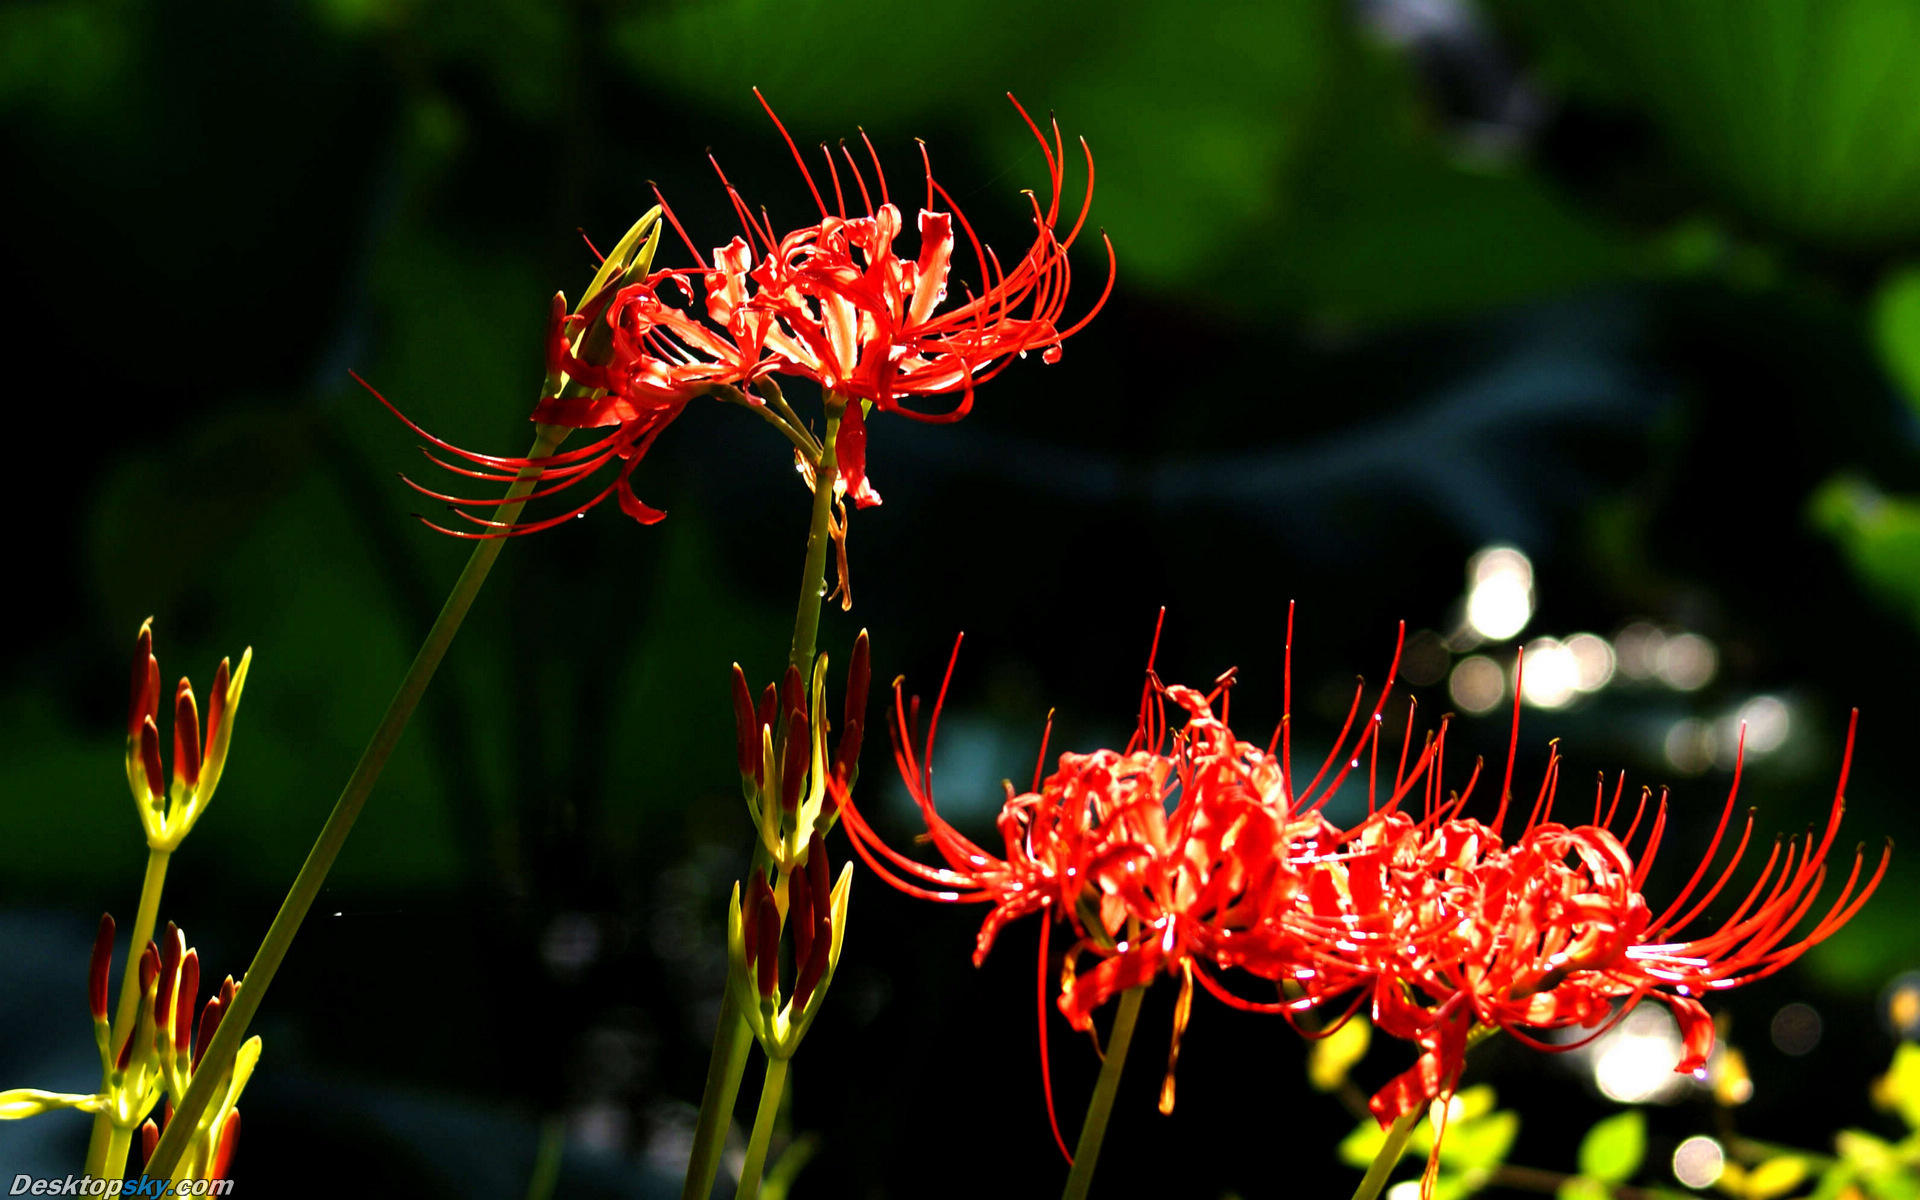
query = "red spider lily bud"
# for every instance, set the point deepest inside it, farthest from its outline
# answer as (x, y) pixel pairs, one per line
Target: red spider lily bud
(149, 1139)
(746, 730)
(750, 921)
(188, 995)
(172, 948)
(796, 757)
(186, 736)
(149, 967)
(150, 758)
(767, 956)
(793, 692)
(99, 967)
(812, 963)
(146, 682)
(859, 672)
(209, 1023)
(846, 753)
(763, 712)
(800, 902)
(217, 699)
(222, 1165)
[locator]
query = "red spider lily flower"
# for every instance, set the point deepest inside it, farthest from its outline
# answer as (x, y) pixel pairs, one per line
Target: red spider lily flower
(831, 302)
(1164, 859)
(866, 324)
(1553, 931)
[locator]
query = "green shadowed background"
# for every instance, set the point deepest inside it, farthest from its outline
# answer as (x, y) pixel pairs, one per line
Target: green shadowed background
(1630, 290)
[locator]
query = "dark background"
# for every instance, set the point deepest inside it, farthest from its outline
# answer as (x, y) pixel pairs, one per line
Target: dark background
(1619, 283)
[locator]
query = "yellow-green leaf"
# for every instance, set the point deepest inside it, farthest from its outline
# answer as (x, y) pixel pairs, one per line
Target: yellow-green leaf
(1776, 1177)
(1335, 1054)
(1612, 1150)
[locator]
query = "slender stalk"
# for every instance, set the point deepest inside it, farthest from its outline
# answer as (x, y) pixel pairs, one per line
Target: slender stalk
(813, 575)
(1086, 1154)
(333, 835)
(101, 1156)
(732, 1039)
(1388, 1158)
(756, 1163)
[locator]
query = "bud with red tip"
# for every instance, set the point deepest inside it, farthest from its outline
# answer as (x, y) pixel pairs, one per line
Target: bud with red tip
(187, 995)
(168, 813)
(149, 1139)
(811, 954)
(222, 1165)
(186, 737)
(767, 930)
(796, 757)
(746, 729)
(99, 968)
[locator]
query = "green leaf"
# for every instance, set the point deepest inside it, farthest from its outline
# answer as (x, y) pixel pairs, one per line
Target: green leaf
(1612, 1150)
(1896, 328)
(1480, 1145)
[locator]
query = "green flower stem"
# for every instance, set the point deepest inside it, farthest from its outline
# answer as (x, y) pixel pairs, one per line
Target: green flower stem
(333, 835)
(1388, 1158)
(102, 1159)
(813, 577)
(1086, 1154)
(756, 1163)
(733, 1039)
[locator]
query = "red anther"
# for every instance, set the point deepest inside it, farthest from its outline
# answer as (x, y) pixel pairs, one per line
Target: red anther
(172, 947)
(767, 956)
(186, 736)
(859, 671)
(222, 1165)
(797, 755)
(800, 901)
(99, 967)
(150, 757)
(217, 700)
(188, 995)
(149, 1139)
(209, 1023)
(145, 701)
(746, 731)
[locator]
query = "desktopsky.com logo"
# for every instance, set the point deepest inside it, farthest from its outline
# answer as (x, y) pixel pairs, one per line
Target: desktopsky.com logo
(140, 1185)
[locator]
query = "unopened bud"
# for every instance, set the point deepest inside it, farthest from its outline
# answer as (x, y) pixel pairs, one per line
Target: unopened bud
(222, 1164)
(800, 900)
(217, 699)
(99, 967)
(145, 699)
(149, 1139)
(846, 752)
(186, 736)
(209, 1023)
(150, 759)
(811, 964)
(746, 730)
(859, 672)
(172, 948)
(767, 959)
(796, 757)
(187, 995)
(793, 692)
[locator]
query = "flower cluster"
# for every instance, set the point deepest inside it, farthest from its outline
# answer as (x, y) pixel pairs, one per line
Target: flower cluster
(1193, 854)
(158, 1056)
(833, 302)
